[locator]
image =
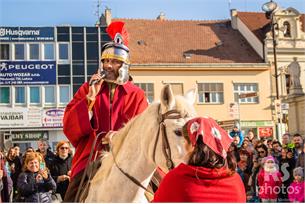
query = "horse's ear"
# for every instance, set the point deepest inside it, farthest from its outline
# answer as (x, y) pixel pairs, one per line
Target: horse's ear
(167, 97)
(191, 95)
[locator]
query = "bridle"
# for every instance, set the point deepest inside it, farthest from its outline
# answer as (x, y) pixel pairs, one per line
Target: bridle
(172, 114)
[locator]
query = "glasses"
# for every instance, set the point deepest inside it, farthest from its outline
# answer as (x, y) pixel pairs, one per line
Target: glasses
(64, 148)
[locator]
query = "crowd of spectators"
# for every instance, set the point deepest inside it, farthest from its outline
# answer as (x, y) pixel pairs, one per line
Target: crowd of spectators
(35, 175)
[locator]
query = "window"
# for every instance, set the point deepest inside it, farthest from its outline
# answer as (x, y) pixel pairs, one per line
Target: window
(64, 94)
(49, 92)
(34, 94)
(4, 94)
(210, 92)
(34, 51)
(287, 29)
(4, 51)
(63, 50)
(48, 51)
(245, 88)
(19, 52)
(20, 95)
(148, 89)
(177, 88)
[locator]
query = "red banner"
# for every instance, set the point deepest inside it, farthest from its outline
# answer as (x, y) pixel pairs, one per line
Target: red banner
(265, 131)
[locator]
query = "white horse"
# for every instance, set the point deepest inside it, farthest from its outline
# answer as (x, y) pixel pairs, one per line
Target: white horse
(137, 149)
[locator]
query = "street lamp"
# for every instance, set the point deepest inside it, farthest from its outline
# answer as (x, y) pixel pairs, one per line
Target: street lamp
(269, 9)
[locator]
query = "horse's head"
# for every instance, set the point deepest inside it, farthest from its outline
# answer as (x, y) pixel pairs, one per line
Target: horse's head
(174, 112)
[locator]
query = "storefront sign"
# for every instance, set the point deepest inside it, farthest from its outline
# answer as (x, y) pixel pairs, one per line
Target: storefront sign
(24, 34)
(21, 136)
(256, 123)
(234, 110)
(27, 72)
(16, 117)
(52, 117)
(265, 131)
(20, 117)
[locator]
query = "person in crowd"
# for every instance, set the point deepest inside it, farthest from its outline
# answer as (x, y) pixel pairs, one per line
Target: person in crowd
(301, 158)
(287, 164)
(261, 150)
(298, 144)
(297, 188)
(35, 183)
(105, 104)
(17, 151)
(6, 183)
(276, 150)
(234, 150)
(285, 139)
(209, 172)
(269, 180)
(251, 136)
(243, 167)
(61, 167)
(43, 148)
(237, 135)
(14, 168)
(28, 150)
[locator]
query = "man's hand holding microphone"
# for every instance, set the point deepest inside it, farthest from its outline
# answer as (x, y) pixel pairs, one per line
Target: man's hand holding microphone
(95, 84)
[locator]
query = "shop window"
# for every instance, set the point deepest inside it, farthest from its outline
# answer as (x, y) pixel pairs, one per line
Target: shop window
(4, 51)
(242, 88)
(4, 95)
(19, 52)
(64, 94)
(78, 51)
(34, 51)
(148, 88)
(49, 94)
(19, 95)
(34, 95)
(210, 93)
(48, 51)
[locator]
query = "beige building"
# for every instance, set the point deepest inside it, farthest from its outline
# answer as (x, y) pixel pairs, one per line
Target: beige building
(290, 53)
(208, 55)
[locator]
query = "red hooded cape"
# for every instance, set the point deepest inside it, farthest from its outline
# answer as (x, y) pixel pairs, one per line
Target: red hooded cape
(188, 183)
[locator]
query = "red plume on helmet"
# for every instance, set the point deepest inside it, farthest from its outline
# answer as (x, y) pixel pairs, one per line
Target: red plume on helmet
(116, 28)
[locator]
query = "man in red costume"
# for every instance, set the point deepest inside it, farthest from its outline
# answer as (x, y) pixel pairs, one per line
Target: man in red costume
(104, 104)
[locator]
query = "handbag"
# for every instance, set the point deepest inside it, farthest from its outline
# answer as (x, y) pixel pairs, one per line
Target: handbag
(56, 198)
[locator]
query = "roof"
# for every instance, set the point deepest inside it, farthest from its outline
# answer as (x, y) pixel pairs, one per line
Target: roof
(173, 41)
(259, 24)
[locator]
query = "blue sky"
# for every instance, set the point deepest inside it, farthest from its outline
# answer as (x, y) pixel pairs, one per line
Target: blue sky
(81, 12)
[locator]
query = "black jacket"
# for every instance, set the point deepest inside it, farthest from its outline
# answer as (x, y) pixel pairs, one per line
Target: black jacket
(48, 158)
(60, 167)
(34, 192)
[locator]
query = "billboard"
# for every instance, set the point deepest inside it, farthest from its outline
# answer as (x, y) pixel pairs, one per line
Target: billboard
(27, 72)
(25, 34)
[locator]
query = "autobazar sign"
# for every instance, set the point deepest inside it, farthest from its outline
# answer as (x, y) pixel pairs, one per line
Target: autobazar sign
(20, 117)
(27, 72)
(23, 34)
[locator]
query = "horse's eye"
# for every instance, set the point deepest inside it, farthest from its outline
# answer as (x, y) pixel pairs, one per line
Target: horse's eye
(178, 133)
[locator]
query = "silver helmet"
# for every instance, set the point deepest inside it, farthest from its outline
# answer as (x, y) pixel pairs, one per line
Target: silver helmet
(117, 50)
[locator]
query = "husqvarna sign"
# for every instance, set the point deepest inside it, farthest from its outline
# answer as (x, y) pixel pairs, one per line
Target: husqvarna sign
(27, 72)
(24, 34)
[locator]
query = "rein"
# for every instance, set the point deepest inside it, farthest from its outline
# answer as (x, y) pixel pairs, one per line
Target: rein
(172, 114)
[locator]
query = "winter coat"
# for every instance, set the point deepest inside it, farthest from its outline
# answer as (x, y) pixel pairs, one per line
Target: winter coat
(268, 184)
(33, 191)
(301, 160)
(297, 194)
(128, 101)
(60, 167)
(187, 183)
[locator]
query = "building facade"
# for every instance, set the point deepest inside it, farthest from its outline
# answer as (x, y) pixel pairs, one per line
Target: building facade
(40, 70)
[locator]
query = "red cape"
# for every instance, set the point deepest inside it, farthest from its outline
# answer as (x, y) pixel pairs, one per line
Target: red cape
(188, 183)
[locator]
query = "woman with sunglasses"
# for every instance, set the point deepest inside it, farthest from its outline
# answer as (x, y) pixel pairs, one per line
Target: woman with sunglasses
(61, 166)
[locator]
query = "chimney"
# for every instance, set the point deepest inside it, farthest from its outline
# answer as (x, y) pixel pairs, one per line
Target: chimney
(234, 19)
(161, 17)
(106, 18)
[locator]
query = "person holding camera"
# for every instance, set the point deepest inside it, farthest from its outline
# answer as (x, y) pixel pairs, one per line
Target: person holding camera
(35, 183)
(101, 106)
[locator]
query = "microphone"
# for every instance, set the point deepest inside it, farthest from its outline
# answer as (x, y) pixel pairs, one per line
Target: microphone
(103, 75)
